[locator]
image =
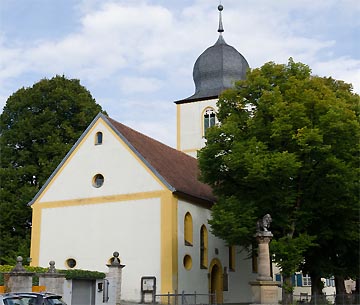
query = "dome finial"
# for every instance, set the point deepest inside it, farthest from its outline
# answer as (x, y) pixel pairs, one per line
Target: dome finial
(221, 29)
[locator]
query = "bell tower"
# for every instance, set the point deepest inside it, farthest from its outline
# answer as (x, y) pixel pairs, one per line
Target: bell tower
(215, 70)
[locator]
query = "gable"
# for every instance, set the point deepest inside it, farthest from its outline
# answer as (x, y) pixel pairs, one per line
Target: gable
(177, 170)
(123, 171)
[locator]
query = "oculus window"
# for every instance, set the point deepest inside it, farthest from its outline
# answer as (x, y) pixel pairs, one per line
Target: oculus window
(187, 262)
(70, 263)
(98, 180)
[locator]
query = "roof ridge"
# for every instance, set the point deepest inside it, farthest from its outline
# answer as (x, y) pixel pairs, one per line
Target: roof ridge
(149, 138)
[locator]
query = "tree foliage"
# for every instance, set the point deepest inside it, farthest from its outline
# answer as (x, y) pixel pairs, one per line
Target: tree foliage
(38, 127)
(287, 143)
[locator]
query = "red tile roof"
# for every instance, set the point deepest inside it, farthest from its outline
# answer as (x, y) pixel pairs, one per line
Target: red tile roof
(179, 170)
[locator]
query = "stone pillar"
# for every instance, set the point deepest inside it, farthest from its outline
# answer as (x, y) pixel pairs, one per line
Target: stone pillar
(114, 277)
(264, 289)
(18, 279)
(52, 280)
(263, 239)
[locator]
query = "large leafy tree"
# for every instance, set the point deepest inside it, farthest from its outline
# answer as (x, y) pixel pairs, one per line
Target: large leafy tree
(288, 144)
(38, 126)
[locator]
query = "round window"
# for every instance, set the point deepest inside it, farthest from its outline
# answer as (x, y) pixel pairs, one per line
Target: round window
(98, 180)
(187, 262)
(70, 262)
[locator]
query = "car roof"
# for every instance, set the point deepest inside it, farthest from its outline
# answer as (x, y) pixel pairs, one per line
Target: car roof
(35, 294)
(9, 295)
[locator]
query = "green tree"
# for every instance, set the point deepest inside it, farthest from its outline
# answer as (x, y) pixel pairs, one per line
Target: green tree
(287, 144)
(38, 127)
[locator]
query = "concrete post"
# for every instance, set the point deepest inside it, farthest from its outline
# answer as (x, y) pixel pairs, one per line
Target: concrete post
(114, 277)
(18, 279)
(52, 280)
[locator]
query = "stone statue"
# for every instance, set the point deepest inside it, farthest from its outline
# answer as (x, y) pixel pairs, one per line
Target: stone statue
(263, 224)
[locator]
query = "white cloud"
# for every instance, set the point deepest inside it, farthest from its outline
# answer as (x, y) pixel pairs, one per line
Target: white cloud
(343, 68)
(130, 85)
(127, 52)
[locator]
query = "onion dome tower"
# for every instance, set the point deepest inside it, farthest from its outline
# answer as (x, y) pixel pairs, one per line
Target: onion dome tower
(215, 70)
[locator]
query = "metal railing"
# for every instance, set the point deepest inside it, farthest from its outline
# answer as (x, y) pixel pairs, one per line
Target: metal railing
(326, 299)
(186, 298)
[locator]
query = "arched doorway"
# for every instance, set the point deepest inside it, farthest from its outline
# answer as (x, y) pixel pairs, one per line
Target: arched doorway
(216, 281)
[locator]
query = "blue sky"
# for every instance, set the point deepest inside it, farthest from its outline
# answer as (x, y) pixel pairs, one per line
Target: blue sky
(136, 57)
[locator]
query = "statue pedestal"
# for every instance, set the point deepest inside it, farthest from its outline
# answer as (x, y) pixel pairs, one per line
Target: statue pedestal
(263, 239)
(264, 292)
(264, 289)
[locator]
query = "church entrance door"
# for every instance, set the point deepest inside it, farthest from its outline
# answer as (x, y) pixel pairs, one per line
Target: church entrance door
(216, 281)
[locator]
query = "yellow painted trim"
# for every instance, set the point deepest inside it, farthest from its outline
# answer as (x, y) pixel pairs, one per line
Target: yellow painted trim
(69, 158)
(169, 243)
(190, 150)
(178, 127)
(188, 228)
(95, 126)
(219, 288)
(96, 142)
(39, 206)
(204, 236)
(99, 200)
(187, 262)
(35, 235)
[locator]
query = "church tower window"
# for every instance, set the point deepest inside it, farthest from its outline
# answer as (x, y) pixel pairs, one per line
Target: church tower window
(203, 247)
(188, 229)
(98, 138)
(209, 118)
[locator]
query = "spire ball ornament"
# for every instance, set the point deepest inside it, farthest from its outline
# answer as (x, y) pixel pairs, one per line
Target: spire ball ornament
(221, 28)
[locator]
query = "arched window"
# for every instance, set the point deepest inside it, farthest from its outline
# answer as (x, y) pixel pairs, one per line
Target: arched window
(188, 229)
(232, 258)
(98, 138)
(209, 118)
(203, 247)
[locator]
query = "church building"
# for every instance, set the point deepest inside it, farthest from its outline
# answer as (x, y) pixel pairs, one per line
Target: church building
(120, 190)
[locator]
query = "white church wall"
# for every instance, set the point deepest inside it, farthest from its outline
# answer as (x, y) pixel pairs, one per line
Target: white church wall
(91, 233)
(190, 118)
(196, 279)
(238, 280)
(123, 175)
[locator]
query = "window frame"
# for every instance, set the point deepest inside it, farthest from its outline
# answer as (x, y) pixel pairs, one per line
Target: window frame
(99, 138)
(211, 120)
(204, 247)
(188, 229)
